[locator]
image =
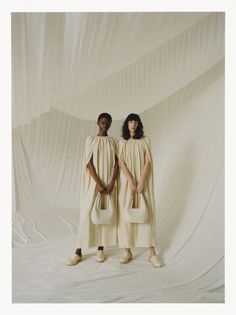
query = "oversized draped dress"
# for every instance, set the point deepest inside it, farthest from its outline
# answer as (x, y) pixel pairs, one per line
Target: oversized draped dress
(103, 149)
(133, 152)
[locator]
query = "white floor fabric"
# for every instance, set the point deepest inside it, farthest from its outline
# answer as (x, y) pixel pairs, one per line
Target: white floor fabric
(41, 276)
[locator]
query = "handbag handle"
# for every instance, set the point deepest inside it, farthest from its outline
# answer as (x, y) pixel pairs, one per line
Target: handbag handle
(98, 199)
(132, 198)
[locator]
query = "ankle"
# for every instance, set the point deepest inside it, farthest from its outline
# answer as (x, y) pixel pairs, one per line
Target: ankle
(128, 250)
(78, 252)
(152, 252)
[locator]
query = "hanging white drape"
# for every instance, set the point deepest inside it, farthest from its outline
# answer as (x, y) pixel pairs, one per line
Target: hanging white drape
(78, 62)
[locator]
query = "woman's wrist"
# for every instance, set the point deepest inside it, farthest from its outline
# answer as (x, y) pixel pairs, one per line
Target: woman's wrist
(98, 182)
(132, 181)
(112, 182)
(141, 180)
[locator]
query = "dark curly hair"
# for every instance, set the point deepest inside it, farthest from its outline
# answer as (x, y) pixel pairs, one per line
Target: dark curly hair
(125, 130)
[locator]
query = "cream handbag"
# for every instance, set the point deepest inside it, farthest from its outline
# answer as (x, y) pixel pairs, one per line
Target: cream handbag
(136, 215)
(103, 216)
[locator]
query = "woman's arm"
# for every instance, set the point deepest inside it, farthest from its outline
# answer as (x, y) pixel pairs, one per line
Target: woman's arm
(110, 186)
(144, 173)
(128, 175)
(94, 175)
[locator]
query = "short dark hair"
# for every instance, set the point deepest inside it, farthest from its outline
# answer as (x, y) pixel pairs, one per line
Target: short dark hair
(105, 115)
(125, 130)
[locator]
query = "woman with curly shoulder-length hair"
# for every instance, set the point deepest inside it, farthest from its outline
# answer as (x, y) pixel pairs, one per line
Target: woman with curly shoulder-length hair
(136, 223)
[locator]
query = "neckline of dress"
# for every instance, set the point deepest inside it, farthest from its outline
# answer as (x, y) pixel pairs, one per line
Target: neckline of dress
(102, 136)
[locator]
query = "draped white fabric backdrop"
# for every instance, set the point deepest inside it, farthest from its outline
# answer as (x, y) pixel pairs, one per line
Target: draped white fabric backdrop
(69, 67)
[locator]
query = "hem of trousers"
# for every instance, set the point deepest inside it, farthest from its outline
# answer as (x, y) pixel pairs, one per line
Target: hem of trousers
(135, 245)
(83, 246)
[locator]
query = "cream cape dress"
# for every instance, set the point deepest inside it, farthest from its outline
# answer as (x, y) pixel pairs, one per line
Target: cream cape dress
(104, 150)
(136, 234)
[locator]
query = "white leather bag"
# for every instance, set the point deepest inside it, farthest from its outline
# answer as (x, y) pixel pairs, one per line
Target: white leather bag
(103, 216)
(136, 215)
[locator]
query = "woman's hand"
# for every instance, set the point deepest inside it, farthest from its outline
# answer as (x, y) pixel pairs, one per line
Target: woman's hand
(110, 187)
(100, 188)
(140, 186)
(133, 186)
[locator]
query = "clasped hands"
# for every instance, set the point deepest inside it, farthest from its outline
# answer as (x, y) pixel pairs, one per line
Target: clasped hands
(136, 187)
(105, 189)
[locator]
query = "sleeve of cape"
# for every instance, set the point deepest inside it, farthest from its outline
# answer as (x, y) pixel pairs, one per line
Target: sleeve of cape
(114, 142)
(121, 149)
(147, 144)
(85, 175)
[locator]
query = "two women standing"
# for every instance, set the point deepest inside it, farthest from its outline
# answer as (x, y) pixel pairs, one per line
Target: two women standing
(129, 187)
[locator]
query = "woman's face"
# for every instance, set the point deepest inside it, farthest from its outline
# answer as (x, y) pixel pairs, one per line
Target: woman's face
(104, 124)
(132, 125)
